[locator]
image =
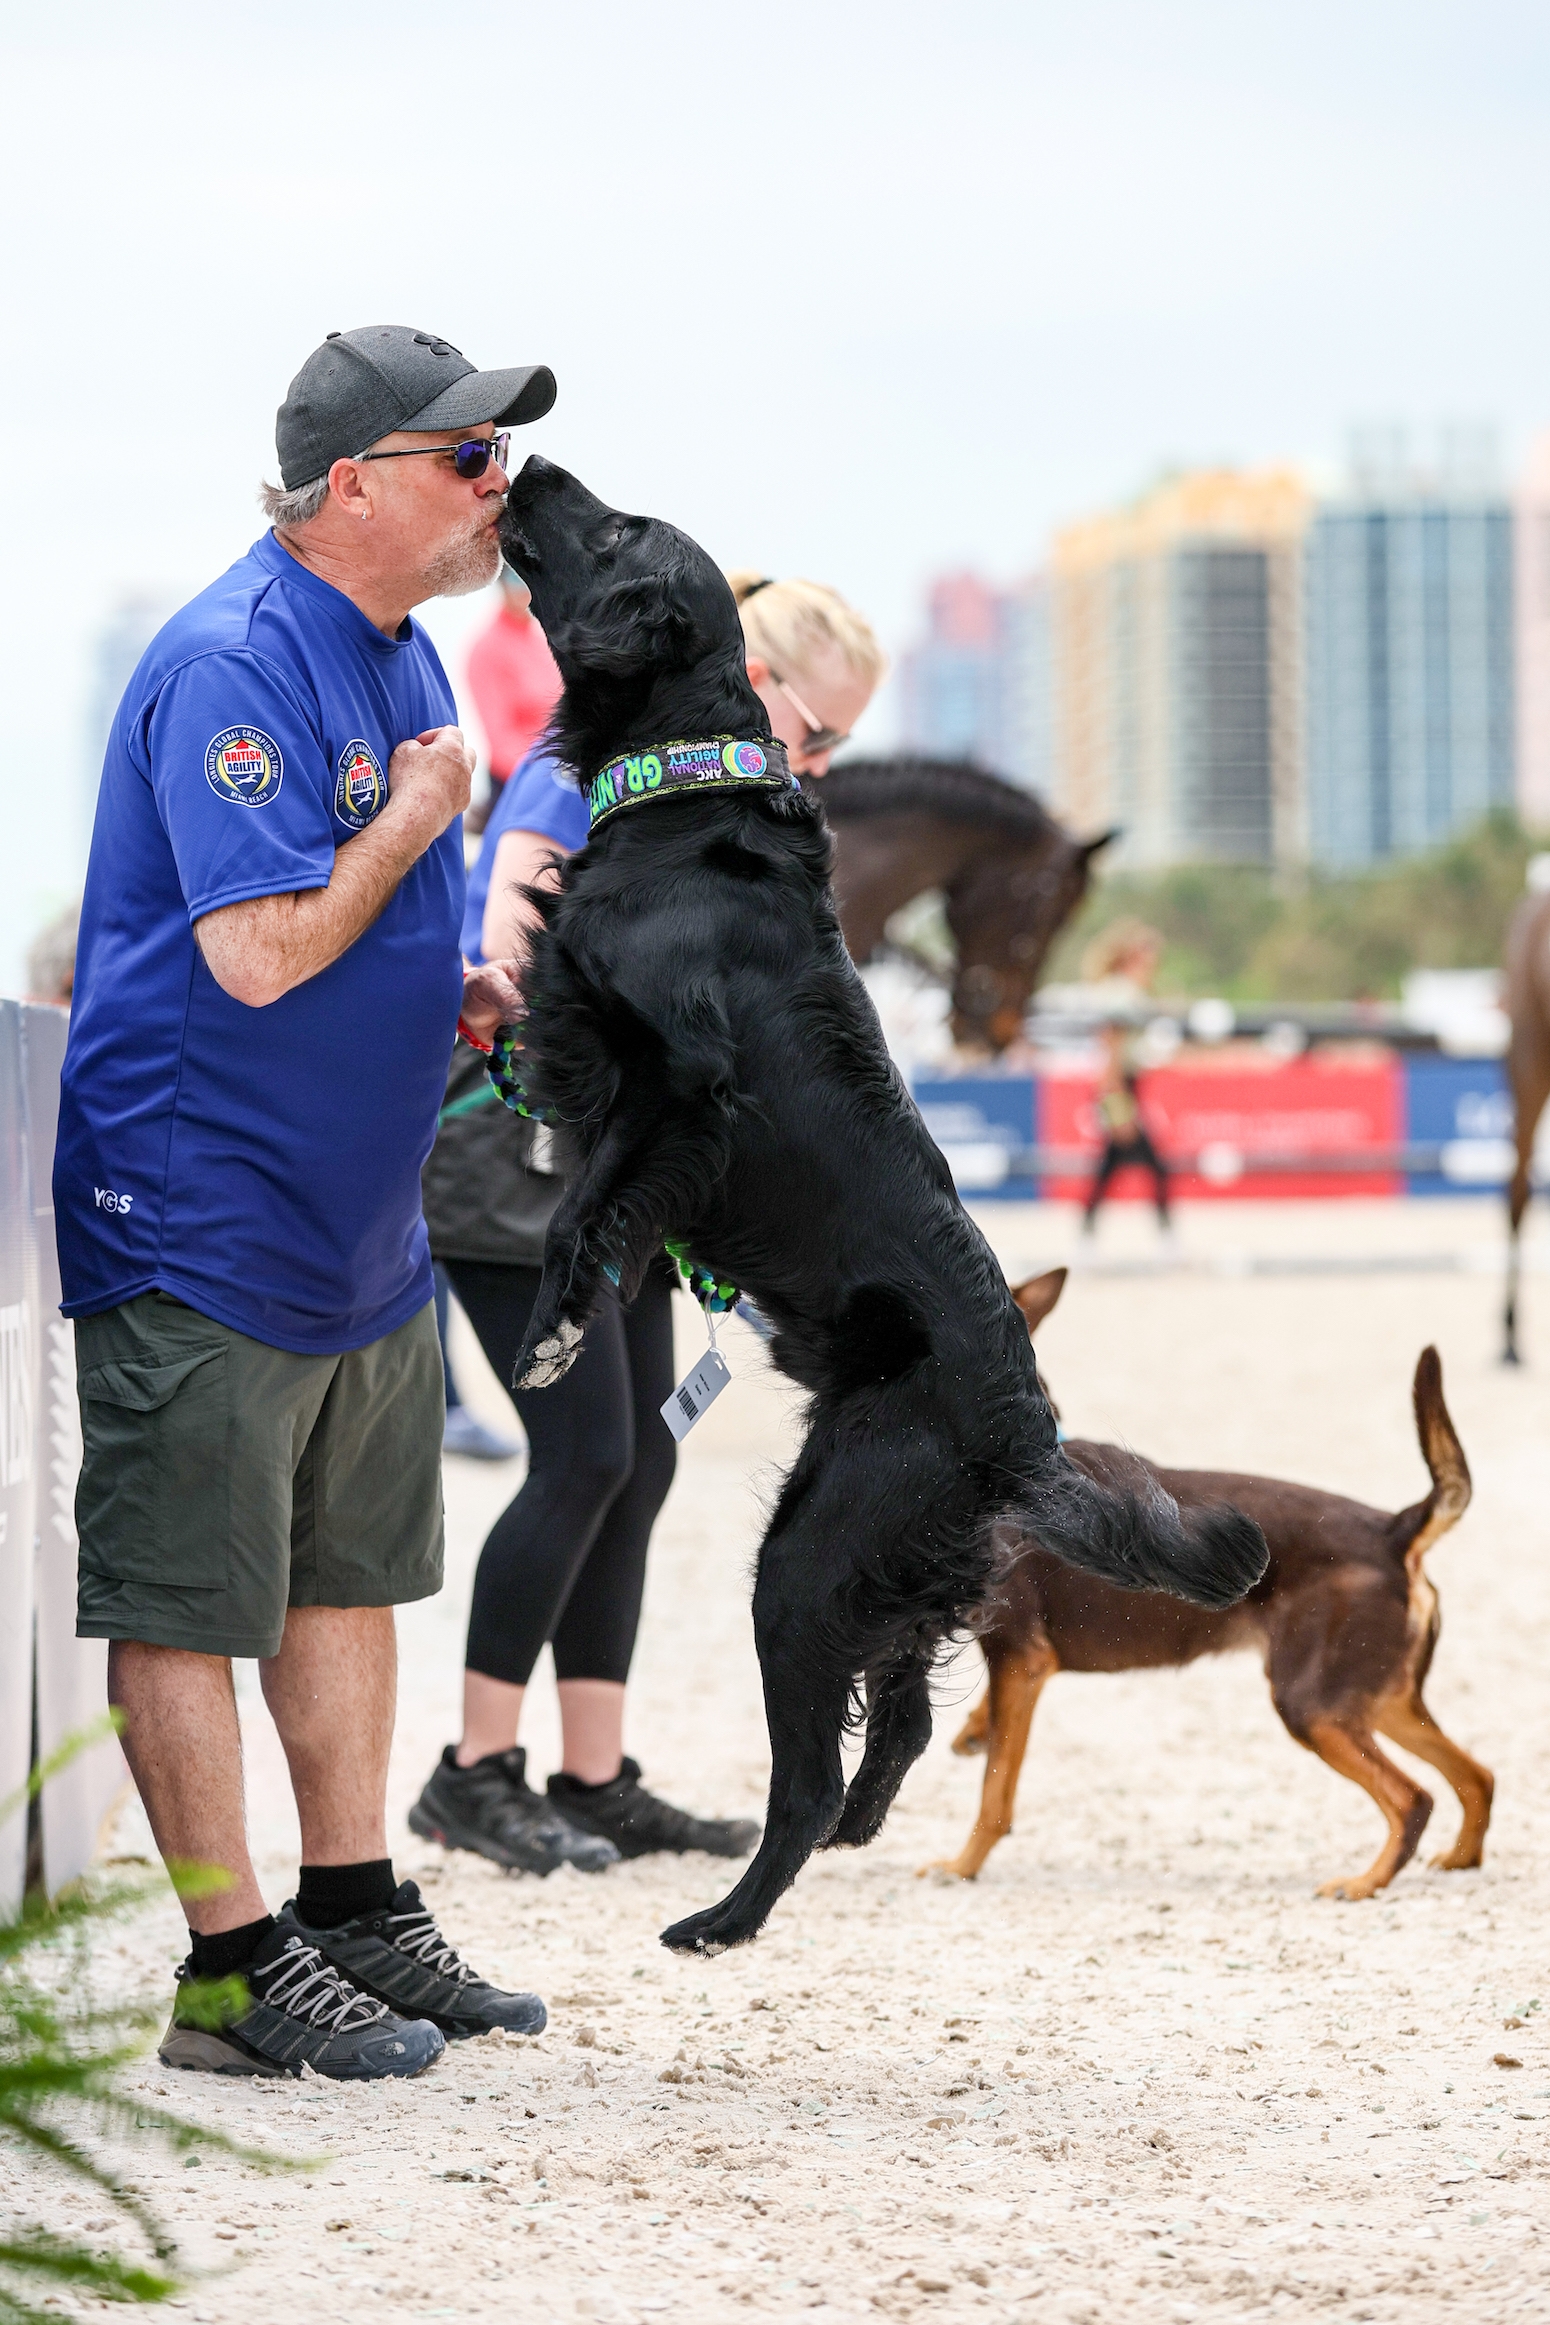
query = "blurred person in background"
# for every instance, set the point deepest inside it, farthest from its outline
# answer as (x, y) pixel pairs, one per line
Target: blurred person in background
(1121, 963)
(566, 1562)
(515, 685)
(51, 958)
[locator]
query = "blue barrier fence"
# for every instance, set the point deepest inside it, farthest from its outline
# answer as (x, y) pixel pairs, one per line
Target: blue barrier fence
(1456, 1140)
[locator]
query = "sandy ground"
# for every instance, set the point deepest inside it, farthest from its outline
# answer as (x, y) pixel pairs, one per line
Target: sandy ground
(1137, 2070)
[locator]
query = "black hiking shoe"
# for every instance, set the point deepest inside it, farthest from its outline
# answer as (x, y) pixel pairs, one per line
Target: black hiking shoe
(492, 1809)
(401, 1956)
(301, 2012)
(638, 1824)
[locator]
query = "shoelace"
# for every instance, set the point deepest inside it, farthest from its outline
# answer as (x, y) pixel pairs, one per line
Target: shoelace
(423, 1942)
(305, 1986)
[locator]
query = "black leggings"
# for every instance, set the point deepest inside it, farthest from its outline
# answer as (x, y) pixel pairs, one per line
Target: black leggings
(1118, 1155)
(566, 1562)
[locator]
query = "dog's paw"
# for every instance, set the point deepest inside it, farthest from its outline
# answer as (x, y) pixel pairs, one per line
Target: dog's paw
(553, 1358)
(945, 1869)
(1350, 1888)
(705, 1934)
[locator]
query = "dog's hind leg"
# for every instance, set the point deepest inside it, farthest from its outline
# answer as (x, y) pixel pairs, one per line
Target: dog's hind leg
(807, 1677)
(1017, 1680)
(806, 1712)
(1410, 1725)
(898, 1729)
(1351, 1749)
(973, 1736)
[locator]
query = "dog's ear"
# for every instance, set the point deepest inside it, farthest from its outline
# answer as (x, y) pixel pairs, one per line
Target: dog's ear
(1038, 1295)
(627, 628)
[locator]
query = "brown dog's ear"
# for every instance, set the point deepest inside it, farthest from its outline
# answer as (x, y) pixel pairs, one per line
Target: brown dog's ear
(1038, 1295)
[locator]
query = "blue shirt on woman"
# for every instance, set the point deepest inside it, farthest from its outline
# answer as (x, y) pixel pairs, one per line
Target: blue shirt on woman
(539, 795)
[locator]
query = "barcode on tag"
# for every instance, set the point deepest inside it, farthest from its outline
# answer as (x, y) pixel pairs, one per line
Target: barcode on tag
(695, 1392)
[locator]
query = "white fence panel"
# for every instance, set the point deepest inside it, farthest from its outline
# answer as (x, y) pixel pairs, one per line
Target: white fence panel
(18, 1380)
(72, 1673)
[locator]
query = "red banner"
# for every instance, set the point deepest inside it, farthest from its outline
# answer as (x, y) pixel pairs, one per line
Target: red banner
(1254, 1131)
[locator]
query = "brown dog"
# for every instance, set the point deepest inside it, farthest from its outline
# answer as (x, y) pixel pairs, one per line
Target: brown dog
(1344, 1617)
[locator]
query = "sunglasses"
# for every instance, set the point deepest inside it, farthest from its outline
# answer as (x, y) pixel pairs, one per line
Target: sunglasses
(819, 737)
(470, 459)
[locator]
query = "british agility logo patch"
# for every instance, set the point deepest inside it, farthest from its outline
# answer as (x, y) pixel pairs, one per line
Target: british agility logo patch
(243, 766)
(361, 791)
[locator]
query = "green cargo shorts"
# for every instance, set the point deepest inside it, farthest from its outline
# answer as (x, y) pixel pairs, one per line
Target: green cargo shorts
(223, 1481)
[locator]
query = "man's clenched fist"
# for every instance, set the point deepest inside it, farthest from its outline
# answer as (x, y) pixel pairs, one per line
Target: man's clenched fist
(431, 777)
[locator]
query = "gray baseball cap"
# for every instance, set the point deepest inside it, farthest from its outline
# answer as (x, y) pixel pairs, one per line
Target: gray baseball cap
(361, 385)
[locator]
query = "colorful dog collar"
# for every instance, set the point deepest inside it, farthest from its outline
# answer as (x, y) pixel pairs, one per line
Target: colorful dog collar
(714, 763)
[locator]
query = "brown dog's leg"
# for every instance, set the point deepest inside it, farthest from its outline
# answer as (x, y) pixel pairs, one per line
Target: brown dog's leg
(1354, 1751)
(972, 1736)
(1413, 1728)
(1017, 1679)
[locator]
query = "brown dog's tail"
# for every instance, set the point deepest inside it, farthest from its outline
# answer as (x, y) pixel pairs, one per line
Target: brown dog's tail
(1426, 1522)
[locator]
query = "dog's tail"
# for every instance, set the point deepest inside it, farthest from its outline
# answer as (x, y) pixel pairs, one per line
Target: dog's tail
(1426, 1522)
(1140, 1540)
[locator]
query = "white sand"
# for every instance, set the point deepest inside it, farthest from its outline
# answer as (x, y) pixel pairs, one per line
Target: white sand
(1137, 2070)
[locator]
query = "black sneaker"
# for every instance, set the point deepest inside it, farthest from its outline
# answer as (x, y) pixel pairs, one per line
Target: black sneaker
(401, 1956)
(301, 2013)
(492, 1808)
(637, 1823)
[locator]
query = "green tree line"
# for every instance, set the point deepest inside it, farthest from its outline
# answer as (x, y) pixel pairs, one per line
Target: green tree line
(1249, 934)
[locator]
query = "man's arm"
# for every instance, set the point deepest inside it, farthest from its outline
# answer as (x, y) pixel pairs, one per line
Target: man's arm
(260, 949)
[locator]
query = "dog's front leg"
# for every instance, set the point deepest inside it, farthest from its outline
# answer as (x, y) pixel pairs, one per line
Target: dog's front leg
(591, 1240)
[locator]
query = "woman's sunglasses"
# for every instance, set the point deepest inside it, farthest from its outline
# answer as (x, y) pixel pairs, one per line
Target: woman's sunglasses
(470, 459)
(819, 737)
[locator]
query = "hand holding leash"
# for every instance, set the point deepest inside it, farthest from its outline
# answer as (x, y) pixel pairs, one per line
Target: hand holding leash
(491, 998)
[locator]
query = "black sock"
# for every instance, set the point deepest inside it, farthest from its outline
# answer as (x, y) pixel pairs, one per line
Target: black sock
(226, 1951)
(329, 1895)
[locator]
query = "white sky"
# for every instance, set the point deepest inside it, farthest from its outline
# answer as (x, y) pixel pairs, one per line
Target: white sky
(857, 290)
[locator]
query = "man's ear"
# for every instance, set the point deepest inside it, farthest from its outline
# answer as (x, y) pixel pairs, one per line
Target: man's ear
(626, 629)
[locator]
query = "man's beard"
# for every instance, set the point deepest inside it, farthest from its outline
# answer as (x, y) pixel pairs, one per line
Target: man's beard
(465, 562)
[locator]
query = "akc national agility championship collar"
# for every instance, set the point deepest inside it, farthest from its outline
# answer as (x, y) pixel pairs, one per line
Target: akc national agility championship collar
(715, 763)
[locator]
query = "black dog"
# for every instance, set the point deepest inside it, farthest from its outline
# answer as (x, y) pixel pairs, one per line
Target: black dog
(695, 1019)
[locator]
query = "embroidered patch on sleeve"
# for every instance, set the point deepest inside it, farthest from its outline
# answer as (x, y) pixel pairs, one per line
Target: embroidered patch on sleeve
(243, 766)
(361, 791)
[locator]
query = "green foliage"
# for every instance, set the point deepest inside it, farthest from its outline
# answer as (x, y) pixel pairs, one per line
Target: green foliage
(60, 2058)
(1251, 935)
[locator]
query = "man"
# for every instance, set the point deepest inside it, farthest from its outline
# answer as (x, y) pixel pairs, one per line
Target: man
(515, 686)
(267, 990)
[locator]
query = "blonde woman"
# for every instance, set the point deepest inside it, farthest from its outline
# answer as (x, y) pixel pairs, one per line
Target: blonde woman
(813, 661)
(565, 1563)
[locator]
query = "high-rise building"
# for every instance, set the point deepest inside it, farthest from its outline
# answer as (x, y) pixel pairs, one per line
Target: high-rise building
(1410, 660)
(1531, 527)
(978, 687)
(1177, 656)
(116, 651)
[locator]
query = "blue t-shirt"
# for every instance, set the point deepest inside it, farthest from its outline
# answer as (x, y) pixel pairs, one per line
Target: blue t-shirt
(540, 795)
(261, 1164)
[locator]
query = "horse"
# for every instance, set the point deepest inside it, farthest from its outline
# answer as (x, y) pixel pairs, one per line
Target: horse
(1010, 874)
(1528, 1071)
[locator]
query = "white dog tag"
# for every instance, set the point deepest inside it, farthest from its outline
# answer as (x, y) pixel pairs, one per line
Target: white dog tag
(695, 1392)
